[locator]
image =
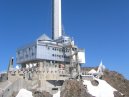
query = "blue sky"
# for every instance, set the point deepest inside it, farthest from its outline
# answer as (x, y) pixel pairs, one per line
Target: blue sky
(99, 26)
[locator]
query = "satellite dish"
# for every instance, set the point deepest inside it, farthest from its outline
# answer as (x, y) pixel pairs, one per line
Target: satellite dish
(31, 66)
(17, 67)
(27, 66)
(35, 64)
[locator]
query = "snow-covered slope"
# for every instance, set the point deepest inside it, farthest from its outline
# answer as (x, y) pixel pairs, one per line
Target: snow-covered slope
(24, 93)
(102, 90)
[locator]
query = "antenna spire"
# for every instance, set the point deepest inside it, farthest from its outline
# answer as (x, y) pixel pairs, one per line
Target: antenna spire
(56, 19)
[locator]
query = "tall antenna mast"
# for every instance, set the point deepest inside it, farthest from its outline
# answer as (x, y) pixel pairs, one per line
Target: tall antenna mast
(56, 19)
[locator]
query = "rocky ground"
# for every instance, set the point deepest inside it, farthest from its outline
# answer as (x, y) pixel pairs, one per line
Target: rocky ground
(41, 94)
(74, 88)
(117, 81)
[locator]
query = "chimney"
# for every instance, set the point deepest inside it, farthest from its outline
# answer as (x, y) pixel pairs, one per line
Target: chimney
(56, 19)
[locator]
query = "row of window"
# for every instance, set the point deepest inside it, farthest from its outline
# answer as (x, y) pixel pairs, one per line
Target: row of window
(61, 50)
(28, 55)
(63, 41)
(60, 56)
(54, 71)
(58, 49)
(55, 49)
(29, 49)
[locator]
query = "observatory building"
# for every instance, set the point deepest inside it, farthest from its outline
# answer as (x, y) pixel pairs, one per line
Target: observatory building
(56, 58)
(45, 63)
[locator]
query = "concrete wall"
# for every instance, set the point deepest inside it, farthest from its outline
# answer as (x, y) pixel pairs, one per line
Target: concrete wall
(12, 87)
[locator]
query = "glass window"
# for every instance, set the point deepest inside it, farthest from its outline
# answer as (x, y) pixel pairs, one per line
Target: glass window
(32, 53)
(48, 48)
(18, 52)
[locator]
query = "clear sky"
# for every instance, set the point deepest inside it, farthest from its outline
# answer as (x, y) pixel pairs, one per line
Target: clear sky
(99, 26)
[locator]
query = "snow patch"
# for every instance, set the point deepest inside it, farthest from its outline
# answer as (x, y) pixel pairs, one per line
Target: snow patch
(57, 94)
(24, 93)
(102, 90)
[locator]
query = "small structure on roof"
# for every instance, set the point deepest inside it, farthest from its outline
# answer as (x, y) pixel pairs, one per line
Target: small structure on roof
(92, 71)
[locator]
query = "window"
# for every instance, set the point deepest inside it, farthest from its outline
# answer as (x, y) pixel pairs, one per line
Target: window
(48, 48)
(60, 50)
(18, 52)
(74, 49)
(26, 56)
(32, 54)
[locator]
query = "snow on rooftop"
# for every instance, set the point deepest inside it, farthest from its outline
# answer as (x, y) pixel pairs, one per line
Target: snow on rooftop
(57, 94)
(24, 93)
(102, 90)
(92, 71)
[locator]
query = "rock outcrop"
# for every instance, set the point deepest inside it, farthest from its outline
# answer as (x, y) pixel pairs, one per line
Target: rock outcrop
(41, 94)
(73, 88)
(117, 81)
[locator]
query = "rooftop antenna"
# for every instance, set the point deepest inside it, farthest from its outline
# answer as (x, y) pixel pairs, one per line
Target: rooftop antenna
(56, 19)
(10, 65)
